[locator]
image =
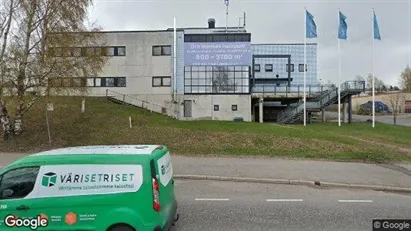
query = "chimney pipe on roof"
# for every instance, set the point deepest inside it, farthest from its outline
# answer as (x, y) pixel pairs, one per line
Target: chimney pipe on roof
(211, 23)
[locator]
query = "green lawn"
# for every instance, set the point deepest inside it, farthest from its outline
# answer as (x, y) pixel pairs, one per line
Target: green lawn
(105, 122)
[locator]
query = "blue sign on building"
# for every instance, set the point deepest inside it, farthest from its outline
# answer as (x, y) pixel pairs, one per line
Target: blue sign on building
(217, 54)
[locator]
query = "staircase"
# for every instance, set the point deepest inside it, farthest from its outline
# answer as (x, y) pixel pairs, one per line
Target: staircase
(325, 99)
(120, 98)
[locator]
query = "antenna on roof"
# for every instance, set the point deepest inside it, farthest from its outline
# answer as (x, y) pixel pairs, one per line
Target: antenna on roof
(244, 20)
(226, 15)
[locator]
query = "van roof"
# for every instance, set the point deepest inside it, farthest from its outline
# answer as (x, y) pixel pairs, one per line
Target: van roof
(103, 149)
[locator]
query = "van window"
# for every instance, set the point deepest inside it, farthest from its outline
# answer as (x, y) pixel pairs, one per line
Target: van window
(17, 183)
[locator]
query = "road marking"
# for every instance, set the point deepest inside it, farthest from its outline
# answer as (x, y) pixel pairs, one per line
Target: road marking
(284, 200)
(355, 201)
(212, 199)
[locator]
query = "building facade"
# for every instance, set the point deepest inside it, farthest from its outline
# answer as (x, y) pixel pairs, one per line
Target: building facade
(210, 73)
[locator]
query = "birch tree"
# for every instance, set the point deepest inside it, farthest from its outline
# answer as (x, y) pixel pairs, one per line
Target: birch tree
(395, 102)
(50, 52)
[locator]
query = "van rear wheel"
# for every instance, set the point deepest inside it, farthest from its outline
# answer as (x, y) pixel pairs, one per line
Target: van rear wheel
(121, 228)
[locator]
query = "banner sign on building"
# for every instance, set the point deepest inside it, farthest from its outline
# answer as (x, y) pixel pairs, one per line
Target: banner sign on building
(217, 54)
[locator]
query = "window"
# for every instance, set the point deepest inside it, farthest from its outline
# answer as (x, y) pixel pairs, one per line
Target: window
(216, 108)
(121, 82)
(269, 67)
(90, 82)
(257, 67)
(301, 67)
(162, 81)
(162, 50)
(110, 51)
(112, 81)
(121, 51)
(231, 37)
(166, 50)
(234, 107)
(216, 79)
(108, 82)
(17, 183)
(290, 67)
(98, 82)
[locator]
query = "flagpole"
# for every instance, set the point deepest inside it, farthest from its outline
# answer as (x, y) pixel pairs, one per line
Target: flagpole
(373, 76)
(305, 53)
(339, 76)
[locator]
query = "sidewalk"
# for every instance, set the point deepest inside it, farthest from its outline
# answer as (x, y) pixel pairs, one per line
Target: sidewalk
(290, 170)
(322, 171)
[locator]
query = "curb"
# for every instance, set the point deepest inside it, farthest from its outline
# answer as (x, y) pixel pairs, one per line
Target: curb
(318, 184)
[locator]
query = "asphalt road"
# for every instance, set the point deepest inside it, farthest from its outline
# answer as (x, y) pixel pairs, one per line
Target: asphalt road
(402, 119)
(226, 206)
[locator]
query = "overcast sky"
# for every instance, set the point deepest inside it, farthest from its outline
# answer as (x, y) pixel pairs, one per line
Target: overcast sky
(275, 21)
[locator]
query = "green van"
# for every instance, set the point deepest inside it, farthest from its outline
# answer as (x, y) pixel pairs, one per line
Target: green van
(103, 188)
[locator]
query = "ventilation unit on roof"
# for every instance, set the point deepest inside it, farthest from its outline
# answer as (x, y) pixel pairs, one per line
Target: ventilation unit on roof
(211, 23)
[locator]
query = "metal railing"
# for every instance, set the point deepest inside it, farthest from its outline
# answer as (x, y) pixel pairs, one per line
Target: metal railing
(132, 100)
(325, 99)
(293, 89)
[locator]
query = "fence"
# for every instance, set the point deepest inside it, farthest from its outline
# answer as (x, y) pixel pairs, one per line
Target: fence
(152, 107)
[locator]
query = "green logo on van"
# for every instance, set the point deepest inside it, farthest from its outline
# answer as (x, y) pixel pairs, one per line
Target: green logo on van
(49, 179)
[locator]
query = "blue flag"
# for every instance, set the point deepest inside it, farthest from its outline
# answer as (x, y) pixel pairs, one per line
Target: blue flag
(376, 29)
(342, 29)
(310, 27)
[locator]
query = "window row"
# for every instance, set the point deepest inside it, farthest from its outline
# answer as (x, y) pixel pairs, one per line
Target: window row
(234, 107)
(210, 82)
(164, 50)
(288, 67)
(88, 82)
(161, 81)
(217, 37)
(225, 89)
(87, 51)
(217, 68)
(216, 74)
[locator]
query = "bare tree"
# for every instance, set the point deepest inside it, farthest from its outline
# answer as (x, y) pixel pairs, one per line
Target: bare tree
(395, 102)
(378, 84)
(405, 79)
(51, 52)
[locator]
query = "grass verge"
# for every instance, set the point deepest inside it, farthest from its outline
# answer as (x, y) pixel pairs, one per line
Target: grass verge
(105, 122)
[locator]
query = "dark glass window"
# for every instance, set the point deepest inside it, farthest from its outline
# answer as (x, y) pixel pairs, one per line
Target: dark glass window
(162, 50)
(17, 183)
(257, 67)
(161, 81)
(290, 68)
(301, 67)
(269, 67)
(234, 107)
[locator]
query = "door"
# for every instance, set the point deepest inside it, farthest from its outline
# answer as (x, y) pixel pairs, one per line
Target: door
(188, 108)
(15, 185)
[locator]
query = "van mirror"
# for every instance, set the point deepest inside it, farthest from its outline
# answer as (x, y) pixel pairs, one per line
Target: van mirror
(7, 193)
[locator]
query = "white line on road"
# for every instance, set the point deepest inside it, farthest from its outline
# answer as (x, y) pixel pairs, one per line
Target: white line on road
(355, 201)
(212, 199)
(284, 200)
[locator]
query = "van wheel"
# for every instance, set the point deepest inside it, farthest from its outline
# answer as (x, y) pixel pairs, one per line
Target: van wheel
(121, 228)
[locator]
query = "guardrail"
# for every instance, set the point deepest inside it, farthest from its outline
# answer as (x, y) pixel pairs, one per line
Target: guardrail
(322, 100)
(293, 89)
(152, 107)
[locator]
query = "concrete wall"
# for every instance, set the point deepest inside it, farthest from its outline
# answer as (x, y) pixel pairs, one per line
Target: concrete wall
(138, 66)
(203, 107)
